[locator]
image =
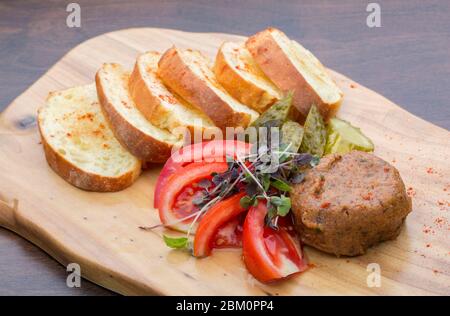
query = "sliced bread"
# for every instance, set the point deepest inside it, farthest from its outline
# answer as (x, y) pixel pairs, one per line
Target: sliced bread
(189, 73)
(160, 106)
(238, 73)
(292, 67)
(132, 129)
(79, 145)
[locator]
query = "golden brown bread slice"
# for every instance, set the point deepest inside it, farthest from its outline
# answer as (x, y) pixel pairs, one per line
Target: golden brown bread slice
(79, 145)
(292, 67)
(238, 73)
(188, 73)
(160, 106)
(131, 128)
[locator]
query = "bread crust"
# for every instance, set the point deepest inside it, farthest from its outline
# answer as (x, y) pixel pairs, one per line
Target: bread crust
(145, 101)
(279, 68)
(149, 104)
(180, 78)
(83, 179)
(140, 144)
(240, 88)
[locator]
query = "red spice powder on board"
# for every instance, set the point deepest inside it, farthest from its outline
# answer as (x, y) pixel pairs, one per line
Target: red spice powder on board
(311, 265)
(411, 192)
(441, 223)
(443, 204)
(428, 230)
(430, 170)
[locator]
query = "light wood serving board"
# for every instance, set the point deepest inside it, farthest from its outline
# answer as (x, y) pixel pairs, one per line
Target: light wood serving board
(100, 231)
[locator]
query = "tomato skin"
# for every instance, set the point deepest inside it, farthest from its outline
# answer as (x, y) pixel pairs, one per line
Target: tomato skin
(219, 214)
(212, 151)
(265, 265)
(176, 182)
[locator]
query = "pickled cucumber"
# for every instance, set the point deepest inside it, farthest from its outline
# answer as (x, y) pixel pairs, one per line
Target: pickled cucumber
(315, 134)
(277, 114)
(343, 137)
(292, 133)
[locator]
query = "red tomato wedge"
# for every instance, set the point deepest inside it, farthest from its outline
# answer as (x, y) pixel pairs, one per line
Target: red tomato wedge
(218, 215)
(270, 255)
(212, 151)
(175, 201)
(230, 234)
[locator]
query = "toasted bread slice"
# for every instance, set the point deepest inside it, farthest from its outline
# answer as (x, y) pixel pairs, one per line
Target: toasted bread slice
(292, 67)
(238, 73)
(132, 129)
(189, 74)
(79, 145)
(160, 106)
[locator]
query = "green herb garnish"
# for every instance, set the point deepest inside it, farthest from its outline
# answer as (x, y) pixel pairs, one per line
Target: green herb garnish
(282, 204)
(176, 242)
(280, 185)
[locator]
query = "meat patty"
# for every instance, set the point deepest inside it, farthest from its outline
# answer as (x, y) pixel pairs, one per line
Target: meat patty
(349, 203)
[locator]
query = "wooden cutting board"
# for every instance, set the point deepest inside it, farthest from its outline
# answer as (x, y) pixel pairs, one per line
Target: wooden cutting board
(100, 231)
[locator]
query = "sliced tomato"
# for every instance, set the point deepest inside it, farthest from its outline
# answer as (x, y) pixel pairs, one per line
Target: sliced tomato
(180, 189)
(218, 215)
(230, 234)
(212, 151)
(270, 255)
(184, 202)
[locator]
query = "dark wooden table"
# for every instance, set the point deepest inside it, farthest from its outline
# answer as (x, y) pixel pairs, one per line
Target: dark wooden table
(407, 60)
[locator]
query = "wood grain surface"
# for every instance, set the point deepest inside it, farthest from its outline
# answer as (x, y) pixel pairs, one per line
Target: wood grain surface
(100, 231)
(407, 60)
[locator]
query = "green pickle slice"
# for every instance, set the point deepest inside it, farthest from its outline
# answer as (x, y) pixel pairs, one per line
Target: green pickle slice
(292, 133)
(344, 137)
(315, 134)
(276, 114)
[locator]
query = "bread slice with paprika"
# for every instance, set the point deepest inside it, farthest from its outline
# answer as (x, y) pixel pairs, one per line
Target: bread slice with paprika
(240, 75)
(162, 107)
(131, 128)
(293, 68)
(79, 145)
(189, 73)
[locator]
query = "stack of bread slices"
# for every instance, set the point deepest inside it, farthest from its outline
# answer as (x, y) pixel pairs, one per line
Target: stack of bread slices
(97, 137)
